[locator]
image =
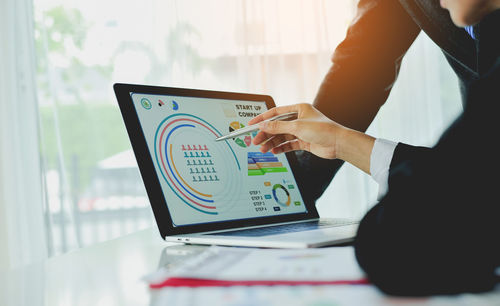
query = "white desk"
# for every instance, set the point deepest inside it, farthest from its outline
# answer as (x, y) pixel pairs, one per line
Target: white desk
(109, 274)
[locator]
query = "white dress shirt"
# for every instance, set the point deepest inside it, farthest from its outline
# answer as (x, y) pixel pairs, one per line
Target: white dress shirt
(380, 161)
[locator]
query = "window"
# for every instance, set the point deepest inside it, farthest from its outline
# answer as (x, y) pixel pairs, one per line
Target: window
(281, 47)
(94, 190)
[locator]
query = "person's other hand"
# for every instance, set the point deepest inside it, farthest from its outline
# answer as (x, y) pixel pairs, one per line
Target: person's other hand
(311, 131)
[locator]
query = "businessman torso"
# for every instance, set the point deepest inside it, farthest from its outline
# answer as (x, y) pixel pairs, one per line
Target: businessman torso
(366, 64)
(437, 229)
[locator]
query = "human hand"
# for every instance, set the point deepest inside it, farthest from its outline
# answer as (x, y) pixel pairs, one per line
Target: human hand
(311, 131)
(314, 132)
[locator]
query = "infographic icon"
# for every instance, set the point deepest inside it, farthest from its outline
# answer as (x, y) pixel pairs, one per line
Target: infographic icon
(175, 105)
(261, 163)
(244, 140)
(281, 195)
(198, 170)
(146, 103)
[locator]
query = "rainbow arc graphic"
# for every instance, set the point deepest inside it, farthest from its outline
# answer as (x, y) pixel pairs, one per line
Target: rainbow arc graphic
(190, 157)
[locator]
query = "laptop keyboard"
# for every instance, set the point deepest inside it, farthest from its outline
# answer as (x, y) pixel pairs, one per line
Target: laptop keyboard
(288, 228)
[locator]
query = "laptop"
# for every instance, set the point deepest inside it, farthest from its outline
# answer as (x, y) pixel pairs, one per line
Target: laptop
(219, 193)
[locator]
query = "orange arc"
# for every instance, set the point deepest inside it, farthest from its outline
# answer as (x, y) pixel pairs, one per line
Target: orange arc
(175, 168)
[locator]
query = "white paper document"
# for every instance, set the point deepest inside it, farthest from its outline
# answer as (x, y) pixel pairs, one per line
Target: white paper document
(333, 295)
(335, 263)
(229, 263)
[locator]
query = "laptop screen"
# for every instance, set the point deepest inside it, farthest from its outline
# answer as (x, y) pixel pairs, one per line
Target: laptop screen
(206, 181)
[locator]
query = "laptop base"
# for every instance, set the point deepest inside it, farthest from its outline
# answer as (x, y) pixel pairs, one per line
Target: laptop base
(340, 231)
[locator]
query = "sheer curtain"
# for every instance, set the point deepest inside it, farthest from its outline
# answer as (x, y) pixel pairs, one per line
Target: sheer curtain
(279, 47)
(22, 226)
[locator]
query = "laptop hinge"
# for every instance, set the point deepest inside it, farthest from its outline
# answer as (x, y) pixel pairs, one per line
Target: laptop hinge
(251, 227)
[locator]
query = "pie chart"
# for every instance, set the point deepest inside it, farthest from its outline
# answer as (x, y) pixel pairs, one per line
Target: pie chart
(243, 140)
(281, 195)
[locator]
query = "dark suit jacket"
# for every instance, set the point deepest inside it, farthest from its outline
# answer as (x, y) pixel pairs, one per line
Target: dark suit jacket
(371, 54)
(438, 229)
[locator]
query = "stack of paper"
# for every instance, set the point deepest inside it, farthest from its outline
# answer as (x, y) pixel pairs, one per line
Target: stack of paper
(225, 266)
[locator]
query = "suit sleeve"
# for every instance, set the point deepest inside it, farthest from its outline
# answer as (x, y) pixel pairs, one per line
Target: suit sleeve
(364, 67)
(437, 230)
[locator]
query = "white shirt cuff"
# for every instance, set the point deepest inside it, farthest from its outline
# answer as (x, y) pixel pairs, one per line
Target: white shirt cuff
(380, 161)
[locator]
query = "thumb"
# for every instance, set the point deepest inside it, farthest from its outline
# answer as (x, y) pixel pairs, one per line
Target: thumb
(278, 127)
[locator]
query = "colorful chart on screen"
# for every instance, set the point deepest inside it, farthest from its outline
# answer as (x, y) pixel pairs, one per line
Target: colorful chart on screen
(244, 140)
(200, 171)
(261, 163)
(281, 195)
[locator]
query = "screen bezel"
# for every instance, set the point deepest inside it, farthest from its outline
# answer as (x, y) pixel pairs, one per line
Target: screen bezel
(150, 177)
